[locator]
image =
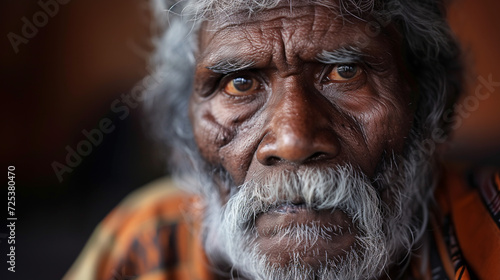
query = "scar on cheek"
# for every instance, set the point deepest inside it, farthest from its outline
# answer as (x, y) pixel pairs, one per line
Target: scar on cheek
(216, 132)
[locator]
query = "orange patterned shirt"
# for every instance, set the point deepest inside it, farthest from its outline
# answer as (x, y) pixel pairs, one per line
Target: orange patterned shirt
(152, 235)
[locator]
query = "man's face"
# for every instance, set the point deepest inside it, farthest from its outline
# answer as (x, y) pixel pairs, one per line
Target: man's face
(295, 89)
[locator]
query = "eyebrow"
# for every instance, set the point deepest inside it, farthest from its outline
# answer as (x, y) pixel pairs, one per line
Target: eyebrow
(348, 54)
(226, 66)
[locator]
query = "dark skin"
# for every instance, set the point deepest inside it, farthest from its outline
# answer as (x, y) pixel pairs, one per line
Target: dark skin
(263, 102)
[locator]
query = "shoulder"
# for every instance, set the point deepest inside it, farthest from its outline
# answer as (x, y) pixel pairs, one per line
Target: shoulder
(141, 235)
(159, 200)
(470, 219)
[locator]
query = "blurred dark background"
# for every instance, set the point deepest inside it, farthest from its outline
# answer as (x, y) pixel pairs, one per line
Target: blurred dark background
(80, 63)
(63, 81)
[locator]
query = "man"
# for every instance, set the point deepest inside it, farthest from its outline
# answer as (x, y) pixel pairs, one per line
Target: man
(306, 133)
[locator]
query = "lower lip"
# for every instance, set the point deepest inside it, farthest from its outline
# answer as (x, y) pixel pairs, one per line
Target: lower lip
(275, 242)
(288, 215)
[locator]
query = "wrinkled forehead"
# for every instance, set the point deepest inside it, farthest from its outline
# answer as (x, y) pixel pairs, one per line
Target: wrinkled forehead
(283, 18)
(301, 29)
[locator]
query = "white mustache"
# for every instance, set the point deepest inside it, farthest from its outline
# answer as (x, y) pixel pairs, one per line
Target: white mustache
(319, 189)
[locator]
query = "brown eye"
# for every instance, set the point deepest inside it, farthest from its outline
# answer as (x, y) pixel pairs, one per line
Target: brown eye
(241, 86)
(344, 72)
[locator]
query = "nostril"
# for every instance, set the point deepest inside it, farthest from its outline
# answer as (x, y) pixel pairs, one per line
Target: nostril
(318, 156)
(297, 145)
(272, 160)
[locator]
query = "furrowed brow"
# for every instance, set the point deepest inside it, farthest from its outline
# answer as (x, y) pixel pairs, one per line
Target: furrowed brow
(227, 66)
(342, 55)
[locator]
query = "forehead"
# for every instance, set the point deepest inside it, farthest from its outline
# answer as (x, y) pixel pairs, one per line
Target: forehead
(288, 34)
(316, 18)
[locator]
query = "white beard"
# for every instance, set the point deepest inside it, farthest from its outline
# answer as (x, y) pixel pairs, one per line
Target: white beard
(387, 230)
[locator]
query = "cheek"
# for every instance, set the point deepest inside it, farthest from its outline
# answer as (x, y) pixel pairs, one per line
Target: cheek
(226, 132)
(239, 154)
(384, 119)
(210, 134)
(387, 125)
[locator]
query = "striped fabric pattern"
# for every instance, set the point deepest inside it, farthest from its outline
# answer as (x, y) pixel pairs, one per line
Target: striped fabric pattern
(465, 225)
(489, 188)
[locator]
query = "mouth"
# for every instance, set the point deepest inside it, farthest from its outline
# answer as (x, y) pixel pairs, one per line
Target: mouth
(289, 208)
(290, 214)
(292, 228)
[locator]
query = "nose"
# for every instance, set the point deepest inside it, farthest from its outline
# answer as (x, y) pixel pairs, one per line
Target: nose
(299, 131)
